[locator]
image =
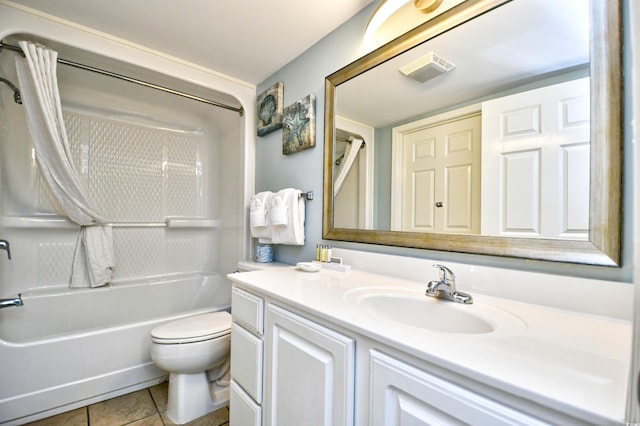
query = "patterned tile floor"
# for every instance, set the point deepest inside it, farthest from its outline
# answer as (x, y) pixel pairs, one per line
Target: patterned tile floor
(146, 407)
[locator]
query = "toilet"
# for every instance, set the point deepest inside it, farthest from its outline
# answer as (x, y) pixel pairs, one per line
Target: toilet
(195, 352)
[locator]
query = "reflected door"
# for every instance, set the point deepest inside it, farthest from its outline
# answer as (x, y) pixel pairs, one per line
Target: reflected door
(536, 150)
(441, 177)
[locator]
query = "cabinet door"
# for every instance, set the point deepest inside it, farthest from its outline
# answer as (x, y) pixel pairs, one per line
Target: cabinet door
(243, 411)
(404, 395)
(309, 372)
(246, 365)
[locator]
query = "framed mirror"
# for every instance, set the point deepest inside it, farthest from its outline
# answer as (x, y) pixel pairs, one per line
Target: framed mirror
(515, 106)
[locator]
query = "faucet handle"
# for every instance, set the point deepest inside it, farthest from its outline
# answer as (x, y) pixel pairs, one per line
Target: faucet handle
(4, 245)
(446, 274)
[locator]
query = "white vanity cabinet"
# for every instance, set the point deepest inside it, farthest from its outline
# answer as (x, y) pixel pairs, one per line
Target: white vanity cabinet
(403, 395)
(310, 372)
(303, 352)
(247, 348)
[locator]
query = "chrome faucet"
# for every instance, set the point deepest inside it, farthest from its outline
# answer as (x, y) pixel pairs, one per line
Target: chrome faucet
(445, 287)
(4, 245)
(5, 303)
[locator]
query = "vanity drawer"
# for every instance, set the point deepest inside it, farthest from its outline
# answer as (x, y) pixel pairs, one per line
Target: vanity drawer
(246, 365)
(247, 309)
(243, 411)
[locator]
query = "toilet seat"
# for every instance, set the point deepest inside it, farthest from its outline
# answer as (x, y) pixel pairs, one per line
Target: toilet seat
(193, 329)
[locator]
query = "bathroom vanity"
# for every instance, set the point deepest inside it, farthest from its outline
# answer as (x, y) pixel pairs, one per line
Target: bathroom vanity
(364, 349)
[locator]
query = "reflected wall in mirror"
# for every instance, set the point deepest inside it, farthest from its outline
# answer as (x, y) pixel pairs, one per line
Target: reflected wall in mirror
(495, 128)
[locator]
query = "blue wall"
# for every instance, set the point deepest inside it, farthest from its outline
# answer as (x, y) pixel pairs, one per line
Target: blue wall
(305, 75)
(303, 170)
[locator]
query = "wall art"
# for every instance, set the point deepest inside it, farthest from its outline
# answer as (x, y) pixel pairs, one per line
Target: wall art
(299, 126)
(269, 109)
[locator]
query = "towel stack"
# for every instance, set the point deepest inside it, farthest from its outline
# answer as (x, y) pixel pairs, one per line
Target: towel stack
(278, 218)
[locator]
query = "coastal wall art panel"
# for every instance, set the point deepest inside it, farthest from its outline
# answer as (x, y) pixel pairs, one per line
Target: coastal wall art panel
(299, 126)
(269, 109)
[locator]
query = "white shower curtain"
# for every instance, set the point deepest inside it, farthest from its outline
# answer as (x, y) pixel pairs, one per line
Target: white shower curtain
(350, 155)
(93, 258)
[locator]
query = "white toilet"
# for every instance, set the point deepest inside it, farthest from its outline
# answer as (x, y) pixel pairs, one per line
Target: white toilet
(195, 351)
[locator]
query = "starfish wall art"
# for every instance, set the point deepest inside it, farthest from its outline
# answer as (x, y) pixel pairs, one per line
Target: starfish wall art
(299, 126)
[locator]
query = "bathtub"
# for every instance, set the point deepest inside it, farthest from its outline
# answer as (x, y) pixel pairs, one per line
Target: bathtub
(97, 348)
(172, 175)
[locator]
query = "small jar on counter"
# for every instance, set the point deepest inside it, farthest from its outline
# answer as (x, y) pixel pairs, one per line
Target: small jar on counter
(264, 253)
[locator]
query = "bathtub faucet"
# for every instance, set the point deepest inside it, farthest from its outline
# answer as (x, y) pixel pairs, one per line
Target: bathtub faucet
(5, 303)
(4, 245)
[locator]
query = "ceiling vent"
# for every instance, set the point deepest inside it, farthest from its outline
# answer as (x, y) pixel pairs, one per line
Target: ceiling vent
(427, 67)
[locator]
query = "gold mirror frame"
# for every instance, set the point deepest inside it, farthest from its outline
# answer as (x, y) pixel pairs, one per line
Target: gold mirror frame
(604, 245)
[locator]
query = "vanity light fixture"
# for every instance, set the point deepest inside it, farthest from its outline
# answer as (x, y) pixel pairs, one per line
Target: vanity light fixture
(388, 8)
(427, 67)
(427, 5)
(385, 9)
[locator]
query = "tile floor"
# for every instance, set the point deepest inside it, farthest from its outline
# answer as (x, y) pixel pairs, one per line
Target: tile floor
(146, 407)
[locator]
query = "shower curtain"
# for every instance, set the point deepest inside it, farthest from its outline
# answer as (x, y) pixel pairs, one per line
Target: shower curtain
(93, 261)
(350, 157)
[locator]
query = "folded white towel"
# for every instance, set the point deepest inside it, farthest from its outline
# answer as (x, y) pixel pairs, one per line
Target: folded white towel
(93, 261)
(258, 213)
(293, 232)
(278, 212)
(262, 228)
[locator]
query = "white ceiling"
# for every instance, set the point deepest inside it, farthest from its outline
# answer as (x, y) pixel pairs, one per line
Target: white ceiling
(248, 40)
(520, 43)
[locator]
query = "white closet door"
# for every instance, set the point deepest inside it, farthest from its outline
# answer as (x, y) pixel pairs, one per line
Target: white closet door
(535, 163)
(441, 177)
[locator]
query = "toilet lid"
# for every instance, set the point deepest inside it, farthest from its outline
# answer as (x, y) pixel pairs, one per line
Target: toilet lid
(193, 329)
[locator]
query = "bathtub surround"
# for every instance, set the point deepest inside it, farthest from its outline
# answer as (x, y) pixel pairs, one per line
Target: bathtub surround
(172, 177)
(93, 260)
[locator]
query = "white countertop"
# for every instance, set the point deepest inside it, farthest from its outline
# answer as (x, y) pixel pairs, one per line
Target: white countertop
(571, 362)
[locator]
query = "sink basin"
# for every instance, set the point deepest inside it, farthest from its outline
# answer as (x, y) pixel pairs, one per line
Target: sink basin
(414, 309)
(428, 313)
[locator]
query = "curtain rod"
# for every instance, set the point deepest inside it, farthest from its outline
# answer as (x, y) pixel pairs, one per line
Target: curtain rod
(239, 110)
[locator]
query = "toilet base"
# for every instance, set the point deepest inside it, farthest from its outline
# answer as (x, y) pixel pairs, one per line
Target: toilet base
(192, 396)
